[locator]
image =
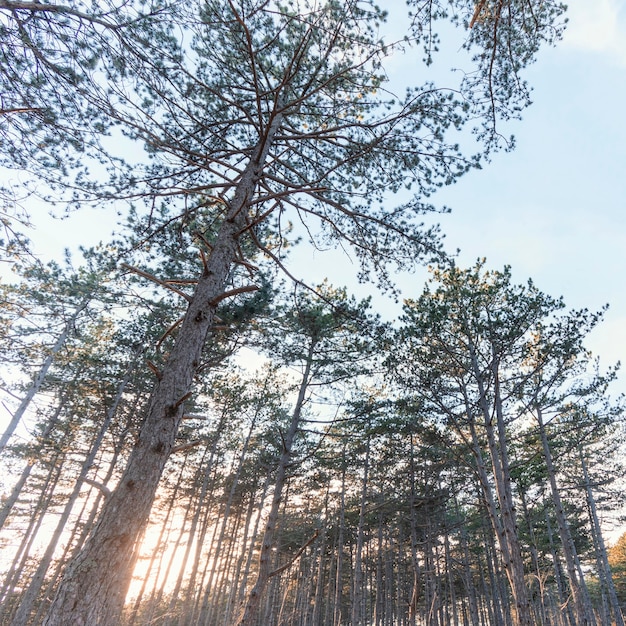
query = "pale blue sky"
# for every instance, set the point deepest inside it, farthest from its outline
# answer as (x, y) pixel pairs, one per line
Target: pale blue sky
(554, 208)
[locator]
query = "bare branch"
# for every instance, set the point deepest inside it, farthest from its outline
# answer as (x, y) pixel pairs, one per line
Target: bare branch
(298, 554)
(156, 280)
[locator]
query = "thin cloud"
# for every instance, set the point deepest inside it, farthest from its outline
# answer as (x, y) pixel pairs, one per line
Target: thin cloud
(598, 26)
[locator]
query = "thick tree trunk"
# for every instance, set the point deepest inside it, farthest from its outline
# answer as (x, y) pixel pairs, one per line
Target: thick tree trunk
(95, 584)
(34, 587)
(75, 544)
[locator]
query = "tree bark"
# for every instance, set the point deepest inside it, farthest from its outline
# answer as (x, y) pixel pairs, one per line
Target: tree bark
(251, 609)
(32, 591)
(94, 587)
(584, 610)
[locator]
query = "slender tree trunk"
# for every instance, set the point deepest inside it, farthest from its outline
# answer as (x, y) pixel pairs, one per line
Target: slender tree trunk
(415, 566)
(193, 530)
(252, 605)
(497, 444)
(231, 495)
(155, 573)
(203, 511)
(95, 584)
(618, 618)
(497, 604)
(539, 575)
(357, 587)
(379, 588)
(577, 584)
(338, 595)
(320, 574)
(449, 568)
(236, 596)
(51, 424)
(568, 616)
(468, 579)
(29, 534)
(40, 377)
(253, 539)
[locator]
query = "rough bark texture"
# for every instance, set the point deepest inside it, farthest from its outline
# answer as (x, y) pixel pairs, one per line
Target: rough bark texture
(95, 584)
(34, 587)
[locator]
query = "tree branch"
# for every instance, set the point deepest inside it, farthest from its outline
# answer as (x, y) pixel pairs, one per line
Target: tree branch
(156, 280)
(287, 565)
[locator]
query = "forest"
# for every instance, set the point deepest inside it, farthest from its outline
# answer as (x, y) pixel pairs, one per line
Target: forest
(196, 435)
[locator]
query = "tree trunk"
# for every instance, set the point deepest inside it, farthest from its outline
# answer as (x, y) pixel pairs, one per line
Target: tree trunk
(338, 582)
(567, 614)
(357, 593)
(195, 520)
(512, 555)
(251, 609)
(52, 423)
(32, 591)
(40, 377)
(584, 610)
(618, 618)
(95, 584)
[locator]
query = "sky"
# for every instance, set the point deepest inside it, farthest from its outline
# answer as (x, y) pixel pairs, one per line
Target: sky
(553, 209)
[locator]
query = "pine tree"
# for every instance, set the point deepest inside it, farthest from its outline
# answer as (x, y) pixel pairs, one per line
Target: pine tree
(252, 114)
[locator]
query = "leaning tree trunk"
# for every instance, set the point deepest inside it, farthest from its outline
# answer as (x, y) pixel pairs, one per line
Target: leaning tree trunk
(252, 607)
(40, 377)
(577, 584)
(95, 583)
(16, 492)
